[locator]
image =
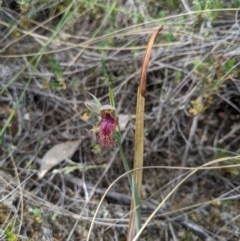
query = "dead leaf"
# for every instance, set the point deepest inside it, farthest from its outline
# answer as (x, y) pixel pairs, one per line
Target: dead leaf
(124, 119)
(85, 116)
(56, 155)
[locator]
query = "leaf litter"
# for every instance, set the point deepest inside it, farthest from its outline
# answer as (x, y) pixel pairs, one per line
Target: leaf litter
(56, 155)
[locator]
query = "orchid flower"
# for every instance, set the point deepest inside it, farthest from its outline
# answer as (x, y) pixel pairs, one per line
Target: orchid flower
(108, 123)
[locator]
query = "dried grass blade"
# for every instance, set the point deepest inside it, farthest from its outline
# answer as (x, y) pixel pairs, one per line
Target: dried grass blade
(135, 216)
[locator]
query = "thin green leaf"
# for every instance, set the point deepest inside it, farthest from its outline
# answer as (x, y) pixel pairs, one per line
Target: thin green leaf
(99, 105)
(131, 180)
(92, 107)
(111, 97)
(66, 16)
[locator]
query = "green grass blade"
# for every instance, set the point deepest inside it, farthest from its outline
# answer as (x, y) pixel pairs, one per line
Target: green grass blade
(64, 19)
(111, 97)
(99, 105)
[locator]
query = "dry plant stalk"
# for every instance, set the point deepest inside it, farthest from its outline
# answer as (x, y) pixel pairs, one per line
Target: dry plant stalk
(139, 135)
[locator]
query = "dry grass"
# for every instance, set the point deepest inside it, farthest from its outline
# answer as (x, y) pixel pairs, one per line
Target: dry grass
(192, 117)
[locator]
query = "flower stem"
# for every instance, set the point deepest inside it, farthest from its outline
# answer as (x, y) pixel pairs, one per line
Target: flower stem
(131, 180)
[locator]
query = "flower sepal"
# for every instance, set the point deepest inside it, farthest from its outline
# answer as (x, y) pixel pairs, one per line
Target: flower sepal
(108, 124)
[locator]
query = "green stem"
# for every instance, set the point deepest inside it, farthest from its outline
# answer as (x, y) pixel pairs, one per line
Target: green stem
(122, 154)
(131, 180)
